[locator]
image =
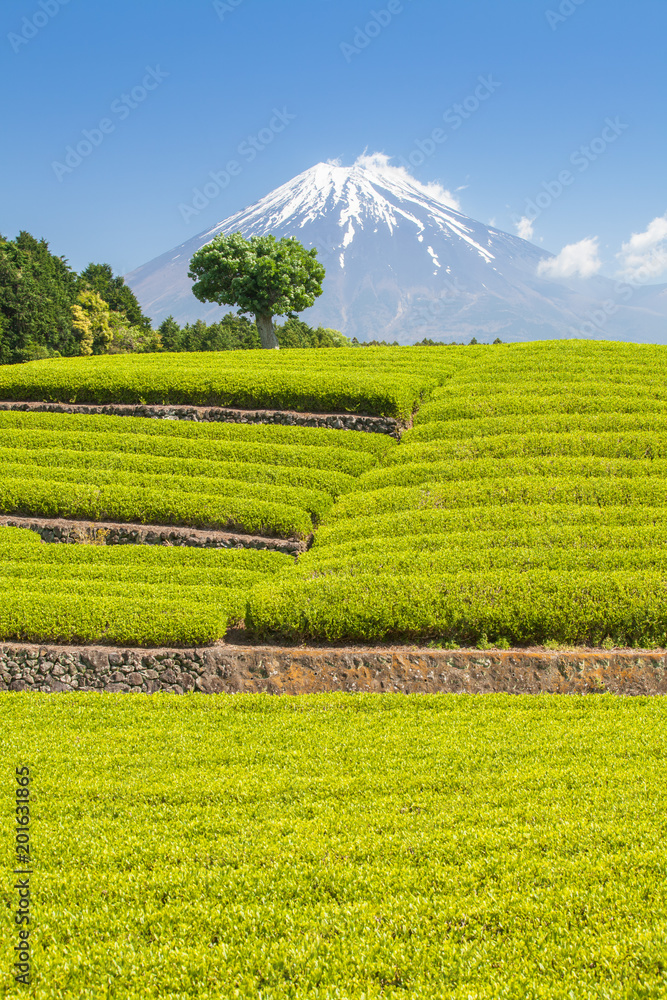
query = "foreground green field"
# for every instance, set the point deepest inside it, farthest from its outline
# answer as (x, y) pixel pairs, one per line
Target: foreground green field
(341, 846)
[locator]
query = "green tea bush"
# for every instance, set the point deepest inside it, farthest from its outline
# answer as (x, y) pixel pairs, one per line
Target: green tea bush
(608, 444)
(377, 444)
(206, 473)
(235, 477)
(124, 595)
(338, 459)
(314, 502)
(577, 608)
(376, 381)
(129, 504)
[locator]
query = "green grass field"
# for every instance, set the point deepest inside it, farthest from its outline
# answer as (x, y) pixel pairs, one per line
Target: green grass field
(341, 846)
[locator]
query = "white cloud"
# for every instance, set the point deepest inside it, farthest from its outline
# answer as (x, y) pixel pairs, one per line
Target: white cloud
(380, 163)
(644, 257)
(575, 259)
(525, 228)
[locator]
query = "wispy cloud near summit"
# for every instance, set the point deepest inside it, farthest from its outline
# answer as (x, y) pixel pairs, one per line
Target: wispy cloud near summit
(380, 163)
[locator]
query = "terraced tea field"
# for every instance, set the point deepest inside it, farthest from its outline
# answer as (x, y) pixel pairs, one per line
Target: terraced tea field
(352, 846)
(526, 504)
(136, 595)
(273, 481)
(380, 381)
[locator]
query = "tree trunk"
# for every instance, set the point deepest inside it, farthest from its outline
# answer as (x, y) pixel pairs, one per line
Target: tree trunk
(266, 332)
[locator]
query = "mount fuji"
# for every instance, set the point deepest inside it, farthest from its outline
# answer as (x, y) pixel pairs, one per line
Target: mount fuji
(403, 263)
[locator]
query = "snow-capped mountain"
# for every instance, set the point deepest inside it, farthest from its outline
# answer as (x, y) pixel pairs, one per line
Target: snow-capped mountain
(402, 263)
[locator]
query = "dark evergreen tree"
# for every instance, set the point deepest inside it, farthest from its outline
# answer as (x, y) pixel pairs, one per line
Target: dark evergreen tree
(238, 333)
(171, 335)
(37, 291)
(231, 333)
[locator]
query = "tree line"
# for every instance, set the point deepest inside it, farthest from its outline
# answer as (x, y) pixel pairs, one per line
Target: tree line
(48, 310)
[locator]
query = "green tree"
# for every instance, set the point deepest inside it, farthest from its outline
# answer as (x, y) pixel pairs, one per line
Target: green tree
(37, 291)
(91, 320)
(128, 339)
(103, 331)
(194, 335)
(262, 276)
(231, 333)
(112, 288)
(170, 335)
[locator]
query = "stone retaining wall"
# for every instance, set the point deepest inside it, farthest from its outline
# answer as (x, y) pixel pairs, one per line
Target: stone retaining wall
(335, 421)
(113, 533)
(233, 669)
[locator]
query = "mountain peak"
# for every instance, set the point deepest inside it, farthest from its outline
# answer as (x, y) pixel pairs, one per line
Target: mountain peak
(370, 193)
(402, 262)
(369, 186)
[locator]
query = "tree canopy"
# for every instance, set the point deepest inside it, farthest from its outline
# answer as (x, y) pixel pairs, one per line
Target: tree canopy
(262, 276)
(104, 331)
(37, 291)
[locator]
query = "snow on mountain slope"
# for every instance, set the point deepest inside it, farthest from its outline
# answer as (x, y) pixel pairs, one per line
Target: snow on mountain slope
(403, 263)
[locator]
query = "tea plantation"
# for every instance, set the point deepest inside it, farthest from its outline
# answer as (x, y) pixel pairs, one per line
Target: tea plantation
(525, 505)
(342, 847)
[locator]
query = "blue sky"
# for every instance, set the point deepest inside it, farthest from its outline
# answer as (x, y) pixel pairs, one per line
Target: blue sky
(180, 86)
